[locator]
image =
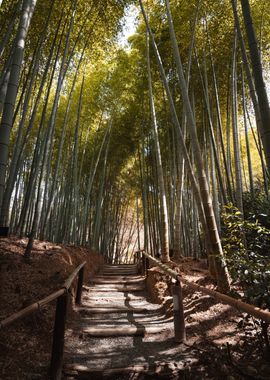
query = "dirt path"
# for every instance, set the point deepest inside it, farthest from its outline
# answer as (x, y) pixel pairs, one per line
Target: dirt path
(121, 334)
(221, 342)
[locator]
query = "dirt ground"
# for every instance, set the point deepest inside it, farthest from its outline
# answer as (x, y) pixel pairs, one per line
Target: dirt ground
(229, 344)
(25, 346)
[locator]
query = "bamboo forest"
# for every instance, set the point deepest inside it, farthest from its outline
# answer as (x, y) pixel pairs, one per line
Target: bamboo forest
(134, 189)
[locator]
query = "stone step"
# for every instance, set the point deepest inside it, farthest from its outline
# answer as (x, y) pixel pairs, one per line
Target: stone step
(115, 288)
(158, 370)
(119, 272)
(144, 320)
(112, 309)
(123, 330)
(117, 280)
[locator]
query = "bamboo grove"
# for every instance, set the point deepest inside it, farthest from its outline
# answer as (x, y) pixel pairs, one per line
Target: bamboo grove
(141, 146)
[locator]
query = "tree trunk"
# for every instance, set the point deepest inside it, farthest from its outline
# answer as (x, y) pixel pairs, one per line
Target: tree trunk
(258, 79)
(236, 143)
(160, 176)
(8, 111)
(223, 276)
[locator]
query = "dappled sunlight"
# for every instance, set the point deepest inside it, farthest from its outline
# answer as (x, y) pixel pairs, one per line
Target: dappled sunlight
(134, 147)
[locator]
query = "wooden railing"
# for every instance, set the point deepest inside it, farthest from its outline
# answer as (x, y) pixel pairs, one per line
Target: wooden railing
(142, 260)
(61, 296)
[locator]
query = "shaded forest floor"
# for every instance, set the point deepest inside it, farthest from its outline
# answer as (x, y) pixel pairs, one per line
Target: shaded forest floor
(25, 346)
(228, 344)
(225, 344)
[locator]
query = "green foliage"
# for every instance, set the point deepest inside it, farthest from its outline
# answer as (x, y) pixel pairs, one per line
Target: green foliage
(247, 245)
(257, 207)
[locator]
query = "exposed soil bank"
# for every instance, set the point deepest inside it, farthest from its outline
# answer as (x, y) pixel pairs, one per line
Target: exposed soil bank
(25, 346)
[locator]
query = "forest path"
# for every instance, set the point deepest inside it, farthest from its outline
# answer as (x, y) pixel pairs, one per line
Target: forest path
(120, 334)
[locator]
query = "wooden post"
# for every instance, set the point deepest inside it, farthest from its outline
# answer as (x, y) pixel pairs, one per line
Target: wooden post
(136, 258)
(143, 260)
(139, 262)
(58, 337)
(147, 265)
(178, 311)
(79, 287)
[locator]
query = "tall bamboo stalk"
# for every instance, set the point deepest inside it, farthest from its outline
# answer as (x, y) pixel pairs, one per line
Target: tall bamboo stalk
(10, 99)
(223, 275)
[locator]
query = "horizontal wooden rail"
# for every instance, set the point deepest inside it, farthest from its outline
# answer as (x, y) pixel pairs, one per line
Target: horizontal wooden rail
(142, 259)
(62, 296)
(44, 301)
(70, 279)
(238, 304)
(31, 309)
